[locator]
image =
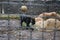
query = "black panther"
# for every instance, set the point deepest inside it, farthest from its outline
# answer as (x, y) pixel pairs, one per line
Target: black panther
(27, 20)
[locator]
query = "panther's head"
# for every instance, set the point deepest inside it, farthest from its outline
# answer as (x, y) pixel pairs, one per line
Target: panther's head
(33, 21)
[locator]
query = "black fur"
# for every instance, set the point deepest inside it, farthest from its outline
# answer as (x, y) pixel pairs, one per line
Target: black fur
(27, 20)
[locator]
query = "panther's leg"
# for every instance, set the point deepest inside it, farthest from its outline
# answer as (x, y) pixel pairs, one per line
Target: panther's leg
(27, 26)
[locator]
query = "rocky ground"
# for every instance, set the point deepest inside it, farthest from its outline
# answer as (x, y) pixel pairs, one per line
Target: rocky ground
(14, 34)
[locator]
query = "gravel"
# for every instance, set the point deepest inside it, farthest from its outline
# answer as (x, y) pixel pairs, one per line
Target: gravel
(23, 34)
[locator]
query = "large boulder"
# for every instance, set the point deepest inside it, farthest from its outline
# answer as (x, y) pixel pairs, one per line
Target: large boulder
(48, 21)
(47, 15)
(48, 24)
(38, 19)
(52, 23)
